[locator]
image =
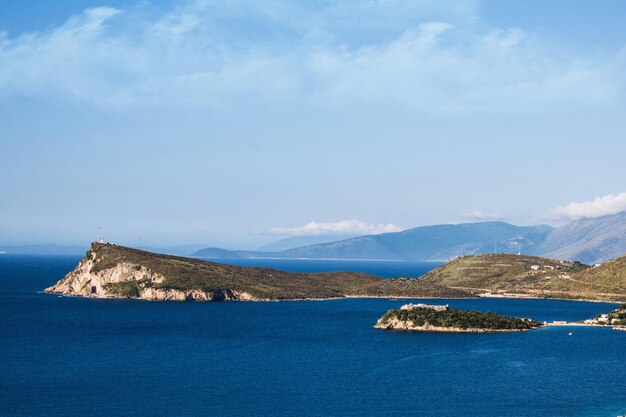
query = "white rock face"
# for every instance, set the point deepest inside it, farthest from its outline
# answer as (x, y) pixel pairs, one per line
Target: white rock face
(84, 281)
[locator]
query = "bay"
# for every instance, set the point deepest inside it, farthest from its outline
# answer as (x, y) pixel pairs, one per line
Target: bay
(64, 356)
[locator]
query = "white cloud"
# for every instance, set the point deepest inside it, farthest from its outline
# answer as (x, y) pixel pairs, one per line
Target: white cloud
(342, 227)
(330, 56)
(598, 207)
(482, 216)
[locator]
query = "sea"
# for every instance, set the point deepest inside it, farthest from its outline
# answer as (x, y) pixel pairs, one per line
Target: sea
(66, 356)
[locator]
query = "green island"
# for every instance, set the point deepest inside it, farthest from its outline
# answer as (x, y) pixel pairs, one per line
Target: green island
(422, 317)
(114, 271)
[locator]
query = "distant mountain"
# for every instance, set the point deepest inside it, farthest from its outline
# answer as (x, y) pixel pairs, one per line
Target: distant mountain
(298, 241)
(182, 250)
(441, 243)
(44, 249)
(217, 253)
(589, 241)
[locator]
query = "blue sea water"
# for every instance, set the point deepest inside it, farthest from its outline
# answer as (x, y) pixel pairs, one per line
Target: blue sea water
(62, 356)
(385, 269)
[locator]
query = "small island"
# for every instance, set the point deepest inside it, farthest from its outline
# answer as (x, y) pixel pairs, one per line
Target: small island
(430, 318)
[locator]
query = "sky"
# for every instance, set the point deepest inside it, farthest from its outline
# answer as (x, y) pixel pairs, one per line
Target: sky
(235, 123)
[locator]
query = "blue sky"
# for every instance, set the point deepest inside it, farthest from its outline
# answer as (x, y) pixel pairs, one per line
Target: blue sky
(235, 123)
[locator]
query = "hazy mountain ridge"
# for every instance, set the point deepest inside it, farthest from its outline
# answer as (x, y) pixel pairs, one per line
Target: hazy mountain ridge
(293, 242)
(438, 243)
(588, 240)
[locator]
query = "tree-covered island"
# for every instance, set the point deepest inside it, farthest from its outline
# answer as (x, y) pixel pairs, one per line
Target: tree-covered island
(423, 317)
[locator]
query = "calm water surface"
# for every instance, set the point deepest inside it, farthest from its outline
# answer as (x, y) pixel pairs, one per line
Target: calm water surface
(64, 356)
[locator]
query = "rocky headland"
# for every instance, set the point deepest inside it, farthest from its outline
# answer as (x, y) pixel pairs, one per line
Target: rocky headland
(114, 271)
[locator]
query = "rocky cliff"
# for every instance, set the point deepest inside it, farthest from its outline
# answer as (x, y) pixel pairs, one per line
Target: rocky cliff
(126, 279)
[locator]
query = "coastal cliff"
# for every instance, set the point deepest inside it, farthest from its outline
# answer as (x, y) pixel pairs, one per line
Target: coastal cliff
(112, 271)
(124, 279)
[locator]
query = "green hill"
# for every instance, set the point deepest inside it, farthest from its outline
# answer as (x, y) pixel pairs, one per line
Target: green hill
(611, 274)
(532, 276)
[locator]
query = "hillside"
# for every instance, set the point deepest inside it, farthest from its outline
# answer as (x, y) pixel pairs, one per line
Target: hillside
(531, 276)
(440, 242)
(610, 274)
(588, 240)
(115, 271)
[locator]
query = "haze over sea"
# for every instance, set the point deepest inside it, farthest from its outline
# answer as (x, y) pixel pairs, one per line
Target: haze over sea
(64, 356)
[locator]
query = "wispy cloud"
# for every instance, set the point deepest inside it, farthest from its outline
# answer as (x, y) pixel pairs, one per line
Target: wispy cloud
(479, 215)
(206, 53)
(342, 227)
(598, 207)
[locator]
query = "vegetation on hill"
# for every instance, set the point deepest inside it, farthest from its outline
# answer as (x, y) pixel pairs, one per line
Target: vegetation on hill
(457, 319)
(610, 275)
(530, 275)
(262, 283)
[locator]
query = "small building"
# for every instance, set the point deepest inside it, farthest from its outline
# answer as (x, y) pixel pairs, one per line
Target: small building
(535, 267)
(423, 307)
(559, 322)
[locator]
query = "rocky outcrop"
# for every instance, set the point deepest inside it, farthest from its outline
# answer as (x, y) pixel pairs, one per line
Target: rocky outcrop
(90, 279)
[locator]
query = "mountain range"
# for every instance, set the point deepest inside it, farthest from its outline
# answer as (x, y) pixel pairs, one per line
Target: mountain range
(589, 241)
(586, 240)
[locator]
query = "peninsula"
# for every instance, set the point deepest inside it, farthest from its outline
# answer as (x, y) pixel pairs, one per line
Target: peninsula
(114, 271)
(427, 318)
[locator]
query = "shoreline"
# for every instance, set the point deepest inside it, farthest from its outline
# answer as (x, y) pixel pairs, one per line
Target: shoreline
(454, 330)
(534, 297)
(260, 300)
(391, 298)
